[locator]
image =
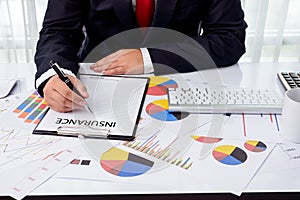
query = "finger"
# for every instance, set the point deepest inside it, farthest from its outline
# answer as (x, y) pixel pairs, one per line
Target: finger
(61, 88)
(123, 69)
(104, 61)
(64, 102)
(118, 70)
(54, 98)
(101, 65)
(57, 102)
(59, 108)
(116, 64)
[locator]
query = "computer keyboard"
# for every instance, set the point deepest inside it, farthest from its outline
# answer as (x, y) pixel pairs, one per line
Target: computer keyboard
(289, 79)
(224, 100)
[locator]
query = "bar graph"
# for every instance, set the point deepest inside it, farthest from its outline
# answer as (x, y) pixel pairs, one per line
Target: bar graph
(25, 103)
(263, 127)
(37, 112)
(32, 109)
(152, 147)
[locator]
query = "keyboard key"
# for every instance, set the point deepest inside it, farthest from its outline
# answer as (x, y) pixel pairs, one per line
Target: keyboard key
(289, 79)
(293, 75)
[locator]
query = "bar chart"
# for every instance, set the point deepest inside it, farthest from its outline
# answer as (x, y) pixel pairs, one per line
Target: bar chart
(32, 109)
(152, 147)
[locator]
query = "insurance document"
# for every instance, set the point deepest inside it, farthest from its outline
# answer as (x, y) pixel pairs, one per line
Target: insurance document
(116, 103)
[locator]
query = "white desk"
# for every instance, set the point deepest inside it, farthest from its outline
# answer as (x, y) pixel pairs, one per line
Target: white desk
(246, 75)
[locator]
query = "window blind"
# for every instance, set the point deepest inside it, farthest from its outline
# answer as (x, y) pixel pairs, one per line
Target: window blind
(273, 33)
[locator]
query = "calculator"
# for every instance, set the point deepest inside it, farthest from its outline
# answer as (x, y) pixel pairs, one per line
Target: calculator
(289, 79)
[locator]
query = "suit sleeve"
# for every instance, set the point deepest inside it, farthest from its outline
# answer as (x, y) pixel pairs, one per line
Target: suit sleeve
(61, 35)
(223, 39)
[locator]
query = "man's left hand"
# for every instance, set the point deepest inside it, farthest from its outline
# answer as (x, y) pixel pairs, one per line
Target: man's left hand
(125, 61)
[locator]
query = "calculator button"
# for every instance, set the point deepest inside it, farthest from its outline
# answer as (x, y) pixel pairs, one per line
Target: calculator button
(293, 75)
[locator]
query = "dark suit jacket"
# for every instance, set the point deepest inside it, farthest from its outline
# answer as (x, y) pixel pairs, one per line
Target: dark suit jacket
(61, 37)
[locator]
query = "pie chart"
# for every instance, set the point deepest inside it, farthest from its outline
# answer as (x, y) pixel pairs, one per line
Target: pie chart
(159, 110)
(158, 85)
(207, 140)
(255, 146)
(229, 155)
(124, 164)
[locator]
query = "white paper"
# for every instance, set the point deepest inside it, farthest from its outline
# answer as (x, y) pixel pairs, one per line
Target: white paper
(29, 176)
(26, 111)
(263, 127)
(19, 147)
(190, 175)
(7, 102)
(115, 103)
(195, 169)
(6, 85)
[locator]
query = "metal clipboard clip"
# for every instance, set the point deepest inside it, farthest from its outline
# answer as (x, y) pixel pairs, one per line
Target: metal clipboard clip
(83, 132)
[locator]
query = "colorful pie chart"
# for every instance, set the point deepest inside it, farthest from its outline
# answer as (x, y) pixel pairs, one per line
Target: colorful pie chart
(158, 85)
(124, 164)
(207, 140)
(229, 155)
(159, 110)
(255, 146)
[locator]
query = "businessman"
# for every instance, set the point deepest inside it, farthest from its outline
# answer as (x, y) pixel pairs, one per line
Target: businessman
(73, 28)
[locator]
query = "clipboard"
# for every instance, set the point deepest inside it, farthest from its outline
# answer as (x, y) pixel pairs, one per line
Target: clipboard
(116, 101)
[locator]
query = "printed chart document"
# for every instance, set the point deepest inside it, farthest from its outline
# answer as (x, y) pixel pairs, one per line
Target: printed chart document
(116, 102)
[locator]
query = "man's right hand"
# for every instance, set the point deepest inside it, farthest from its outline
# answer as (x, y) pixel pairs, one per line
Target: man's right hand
(61, 98)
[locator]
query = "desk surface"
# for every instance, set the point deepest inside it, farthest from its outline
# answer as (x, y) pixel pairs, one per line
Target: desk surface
(244, 75)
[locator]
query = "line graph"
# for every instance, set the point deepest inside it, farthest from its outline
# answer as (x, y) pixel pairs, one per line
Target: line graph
(17, 147)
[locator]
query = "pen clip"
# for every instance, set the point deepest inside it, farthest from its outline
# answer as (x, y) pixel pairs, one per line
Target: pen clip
(82, 132)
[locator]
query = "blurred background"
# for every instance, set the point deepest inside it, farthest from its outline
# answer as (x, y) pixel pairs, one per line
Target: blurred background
(273, 34)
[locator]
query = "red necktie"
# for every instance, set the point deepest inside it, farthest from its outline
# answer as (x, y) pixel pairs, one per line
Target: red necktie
(144, 12)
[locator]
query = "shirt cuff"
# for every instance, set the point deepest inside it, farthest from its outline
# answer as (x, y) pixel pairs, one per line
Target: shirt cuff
(148, 65)
(45, 76)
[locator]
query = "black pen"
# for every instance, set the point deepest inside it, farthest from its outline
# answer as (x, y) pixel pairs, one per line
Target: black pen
(67, 81)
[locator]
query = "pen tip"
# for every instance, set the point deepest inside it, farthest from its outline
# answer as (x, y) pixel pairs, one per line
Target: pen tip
(90, 110)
